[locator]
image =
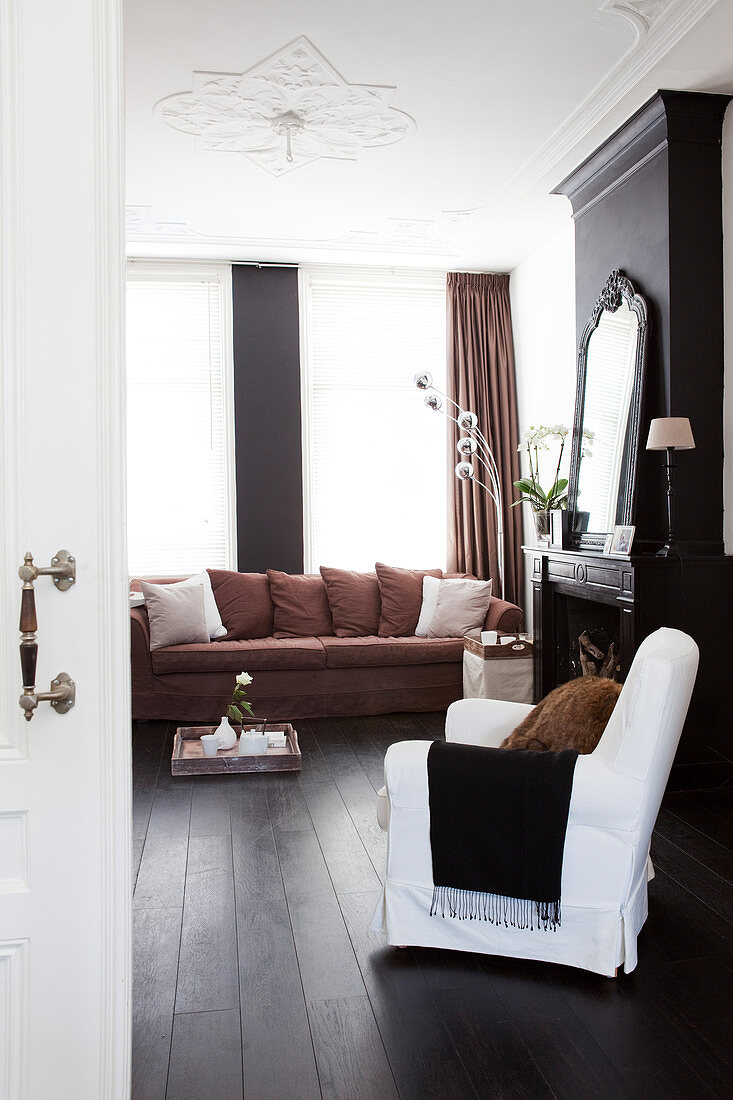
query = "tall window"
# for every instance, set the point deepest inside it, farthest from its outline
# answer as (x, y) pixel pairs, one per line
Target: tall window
(180, 468)
(375, 471)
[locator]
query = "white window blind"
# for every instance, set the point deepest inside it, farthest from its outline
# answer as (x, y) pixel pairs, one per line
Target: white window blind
(375, 469)
(179, 419)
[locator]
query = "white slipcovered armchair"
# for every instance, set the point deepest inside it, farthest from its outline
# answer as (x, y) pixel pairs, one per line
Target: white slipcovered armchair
(617, 791)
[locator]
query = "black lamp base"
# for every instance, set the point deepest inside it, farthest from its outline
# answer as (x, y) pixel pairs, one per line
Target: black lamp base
(671, 549)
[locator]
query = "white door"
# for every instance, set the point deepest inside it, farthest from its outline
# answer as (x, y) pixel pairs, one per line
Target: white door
(64, 779)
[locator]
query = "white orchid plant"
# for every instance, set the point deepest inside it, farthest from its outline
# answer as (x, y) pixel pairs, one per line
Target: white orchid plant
(239, 704)
(537, 439)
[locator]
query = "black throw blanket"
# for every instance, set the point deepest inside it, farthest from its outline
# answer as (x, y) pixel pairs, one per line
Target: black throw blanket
(498, 819)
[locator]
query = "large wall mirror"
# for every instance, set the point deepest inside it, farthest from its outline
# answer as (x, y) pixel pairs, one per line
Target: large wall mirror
(605, 442)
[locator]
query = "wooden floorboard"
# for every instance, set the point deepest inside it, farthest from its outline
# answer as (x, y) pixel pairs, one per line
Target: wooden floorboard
(423, 1057)
(257, 976)
(206, 1056)
(274, 1014)
(351, 1058)
(157, 934)
(207, 976)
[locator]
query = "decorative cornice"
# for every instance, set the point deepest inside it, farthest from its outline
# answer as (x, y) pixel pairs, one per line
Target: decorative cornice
(438, 234)
(694, 117)
(642, 14)
(434, 236)
(140, 224)
(286, 111)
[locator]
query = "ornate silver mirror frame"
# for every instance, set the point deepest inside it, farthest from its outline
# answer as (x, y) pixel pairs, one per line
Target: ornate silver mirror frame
(617, 293)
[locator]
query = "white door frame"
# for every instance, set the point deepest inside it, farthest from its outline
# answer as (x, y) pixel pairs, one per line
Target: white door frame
(22, 28)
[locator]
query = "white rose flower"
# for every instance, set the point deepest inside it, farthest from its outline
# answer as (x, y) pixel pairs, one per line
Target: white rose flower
(244, 678)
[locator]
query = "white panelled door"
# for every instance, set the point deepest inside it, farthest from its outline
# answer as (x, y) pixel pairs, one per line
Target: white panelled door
(64, 779)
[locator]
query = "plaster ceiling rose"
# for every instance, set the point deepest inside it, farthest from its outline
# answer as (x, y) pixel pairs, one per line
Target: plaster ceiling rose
(286, 111)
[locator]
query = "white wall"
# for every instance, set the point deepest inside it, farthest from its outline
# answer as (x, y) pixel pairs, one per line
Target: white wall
(542, 291)
(728, 329)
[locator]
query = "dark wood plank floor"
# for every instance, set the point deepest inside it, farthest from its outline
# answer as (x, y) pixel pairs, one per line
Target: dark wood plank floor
(256, 974)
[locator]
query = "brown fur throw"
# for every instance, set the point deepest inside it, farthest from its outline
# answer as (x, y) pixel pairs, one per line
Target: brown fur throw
(573, 716)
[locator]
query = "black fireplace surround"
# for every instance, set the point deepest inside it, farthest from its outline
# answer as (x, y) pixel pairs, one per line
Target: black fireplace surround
(648, 202)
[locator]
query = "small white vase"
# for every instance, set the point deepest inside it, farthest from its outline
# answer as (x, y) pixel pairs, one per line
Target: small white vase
(253, 743)
(227, 736)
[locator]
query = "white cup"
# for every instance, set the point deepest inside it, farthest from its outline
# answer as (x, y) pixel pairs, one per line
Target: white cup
(210, 744)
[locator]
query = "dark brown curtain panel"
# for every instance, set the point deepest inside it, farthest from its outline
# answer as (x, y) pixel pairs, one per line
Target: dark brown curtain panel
(481, 378)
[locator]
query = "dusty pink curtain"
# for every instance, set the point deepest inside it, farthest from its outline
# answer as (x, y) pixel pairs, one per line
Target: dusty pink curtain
(481, 378)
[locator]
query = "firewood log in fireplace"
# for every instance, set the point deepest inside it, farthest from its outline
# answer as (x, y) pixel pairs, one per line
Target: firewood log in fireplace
(594, 662)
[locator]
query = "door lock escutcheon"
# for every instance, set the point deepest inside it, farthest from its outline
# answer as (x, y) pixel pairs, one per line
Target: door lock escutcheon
(62, 694)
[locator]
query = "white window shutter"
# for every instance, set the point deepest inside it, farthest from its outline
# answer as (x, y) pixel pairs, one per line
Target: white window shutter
(180, 469)
(375, 469)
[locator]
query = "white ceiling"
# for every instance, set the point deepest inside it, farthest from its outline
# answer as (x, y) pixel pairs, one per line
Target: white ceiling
(506, 98)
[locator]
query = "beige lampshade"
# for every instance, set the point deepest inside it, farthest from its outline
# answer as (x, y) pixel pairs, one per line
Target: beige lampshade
(670, 431)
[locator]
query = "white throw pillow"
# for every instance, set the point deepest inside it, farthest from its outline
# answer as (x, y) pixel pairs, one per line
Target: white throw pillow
(430, 589)
(214, 624)
(462, 606)
(176, 614)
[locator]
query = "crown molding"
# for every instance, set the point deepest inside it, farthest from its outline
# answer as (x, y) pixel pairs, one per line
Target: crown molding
(658, 26)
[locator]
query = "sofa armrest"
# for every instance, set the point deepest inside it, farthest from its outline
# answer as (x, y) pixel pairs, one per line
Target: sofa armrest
(504, 616)
(139, 628)
(140, 644)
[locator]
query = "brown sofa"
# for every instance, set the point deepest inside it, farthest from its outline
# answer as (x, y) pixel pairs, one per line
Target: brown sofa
(296, 676)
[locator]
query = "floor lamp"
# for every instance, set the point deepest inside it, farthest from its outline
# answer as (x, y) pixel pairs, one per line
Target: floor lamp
(670, 433)
(473, 445)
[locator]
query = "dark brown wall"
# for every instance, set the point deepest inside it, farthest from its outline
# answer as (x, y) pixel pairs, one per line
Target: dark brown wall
(267, 418)
(649, 202)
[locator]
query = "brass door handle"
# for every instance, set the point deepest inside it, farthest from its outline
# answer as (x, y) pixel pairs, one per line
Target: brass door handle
(62, 694)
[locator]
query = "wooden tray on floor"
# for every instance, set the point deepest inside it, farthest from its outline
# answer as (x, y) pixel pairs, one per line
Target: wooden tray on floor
(188, 755)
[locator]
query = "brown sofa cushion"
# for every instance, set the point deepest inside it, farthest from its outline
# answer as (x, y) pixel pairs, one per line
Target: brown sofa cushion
(354, 601)
(400, 591)
(301, 605)
(244, 603)
(246, 655)
(370, 652)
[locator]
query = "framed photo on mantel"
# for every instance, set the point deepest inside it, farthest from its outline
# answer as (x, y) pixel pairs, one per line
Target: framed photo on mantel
(620, 542)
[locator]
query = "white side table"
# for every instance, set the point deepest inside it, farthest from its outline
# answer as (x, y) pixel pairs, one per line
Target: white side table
(499, 671)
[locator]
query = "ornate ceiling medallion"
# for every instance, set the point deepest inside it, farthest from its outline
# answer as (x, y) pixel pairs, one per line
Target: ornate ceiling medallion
(287, 111)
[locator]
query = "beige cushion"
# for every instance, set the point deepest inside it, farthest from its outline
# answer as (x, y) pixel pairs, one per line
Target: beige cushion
(177, 615)
(462, 606)
(214, 624)
(430, 590)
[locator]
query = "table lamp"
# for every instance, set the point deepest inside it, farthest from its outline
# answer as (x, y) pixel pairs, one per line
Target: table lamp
(670, 433)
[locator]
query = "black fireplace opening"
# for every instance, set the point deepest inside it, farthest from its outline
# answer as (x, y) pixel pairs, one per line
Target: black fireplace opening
(587, 639)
